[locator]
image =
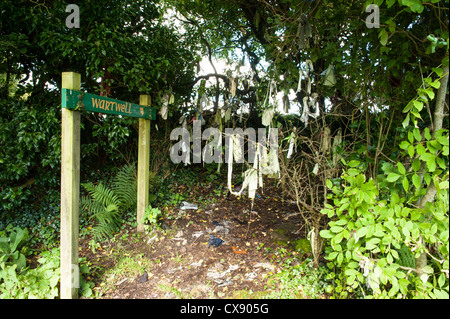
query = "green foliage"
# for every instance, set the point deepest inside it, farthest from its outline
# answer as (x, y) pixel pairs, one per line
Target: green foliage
(105, 205)
(38, 283)
(29, 145)
(372, 232)
(301, 281)
(125, 186)
(152, 217)
(10, 247)
(406, 257)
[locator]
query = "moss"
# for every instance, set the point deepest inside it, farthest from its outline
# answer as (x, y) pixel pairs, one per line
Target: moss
(303, 245)
(281, 243)
(246, 294)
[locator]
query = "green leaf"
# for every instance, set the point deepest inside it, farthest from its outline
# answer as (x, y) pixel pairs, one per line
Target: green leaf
(420, 149)
(438, 71)
(436, 84)
(326, 233)
(353, 163)
(410, 137)
(417, 135)
(427, 269)
(15, 238)
(383, 37)
(427, 133)
(417, 182)
(332, 255)
(405, 184)
(329, 184)
(401, 168)
(414, 5)
(411, 150)
(362, 232)
(416, 165)
(340, 258)
(430, 93)
(441, 280)
(408, 108)
(405, 122)
(351, 272)
(336, 229)
(404, 145)
(392, 177)
(443, 140)
(418, 105)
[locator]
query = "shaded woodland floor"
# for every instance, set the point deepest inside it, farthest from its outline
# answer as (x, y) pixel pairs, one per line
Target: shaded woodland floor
(179, 262)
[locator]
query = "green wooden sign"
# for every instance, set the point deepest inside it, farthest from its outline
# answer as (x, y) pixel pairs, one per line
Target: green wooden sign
(72, 99)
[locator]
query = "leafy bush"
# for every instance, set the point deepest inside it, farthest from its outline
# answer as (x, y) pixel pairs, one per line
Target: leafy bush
(300, 281)
(40, 282)
(373, 230)
(10, 247)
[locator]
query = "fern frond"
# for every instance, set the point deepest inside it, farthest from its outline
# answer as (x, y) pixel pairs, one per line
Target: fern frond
(90, 206)
(125, 186)
(102, 194)
(103, 206)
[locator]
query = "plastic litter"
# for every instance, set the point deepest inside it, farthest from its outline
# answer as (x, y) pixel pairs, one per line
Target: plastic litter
(217, 275)
(223, 227)
(197, 264)
(185, 205)
(143, 278)
(225, 283)
(214, 241)
(268, 266)
(250, 276)
(238, 251)
(197, 234)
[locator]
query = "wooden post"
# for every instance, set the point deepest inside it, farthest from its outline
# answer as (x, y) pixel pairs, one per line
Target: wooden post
(143, 170)
(70, 192)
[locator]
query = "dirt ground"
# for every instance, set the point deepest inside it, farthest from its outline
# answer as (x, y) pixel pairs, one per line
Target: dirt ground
(180, 263)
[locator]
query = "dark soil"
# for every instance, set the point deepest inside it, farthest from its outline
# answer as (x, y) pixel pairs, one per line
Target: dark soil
(183, 265)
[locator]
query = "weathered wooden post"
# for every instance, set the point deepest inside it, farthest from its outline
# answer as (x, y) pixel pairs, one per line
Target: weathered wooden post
(71, 102)
(143, 164)
(70, 191)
